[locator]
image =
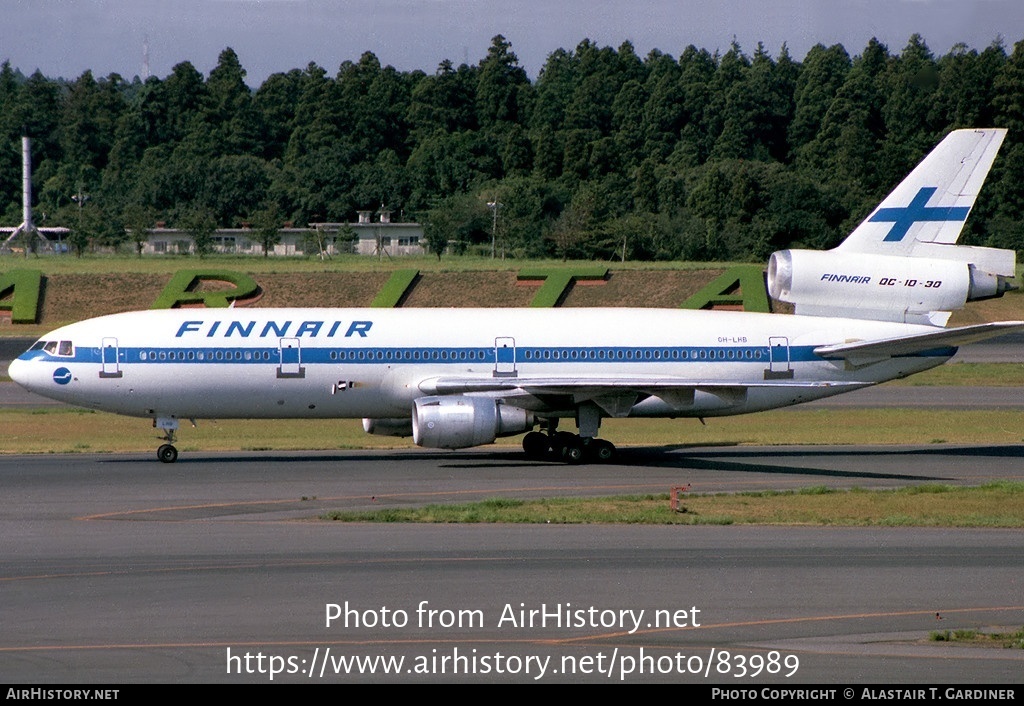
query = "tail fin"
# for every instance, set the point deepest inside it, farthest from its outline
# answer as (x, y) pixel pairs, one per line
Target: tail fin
(902, 262)
(933, 202)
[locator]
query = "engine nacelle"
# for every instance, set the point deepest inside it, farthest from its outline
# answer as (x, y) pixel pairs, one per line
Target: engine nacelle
(458, 422)
(886, 287)
(401, 426)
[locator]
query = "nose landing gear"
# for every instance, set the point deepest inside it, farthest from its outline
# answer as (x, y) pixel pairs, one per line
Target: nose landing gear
(167, 453)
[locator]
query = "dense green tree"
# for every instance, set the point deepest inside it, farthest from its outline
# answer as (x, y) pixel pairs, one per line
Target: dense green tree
(910, 84)
(267, 223)
(10, 141)
(517, 154)
(501, 85)
(201, 225)
(175, 106)
(86, 128)
(554, 88)
(138, 221)
(445, 100)
(967, 92)
(730, 114)
(372, 103)
(235, 187)
(276, 102)
(1008, 87)
(528, 205)
(457, 222)
(605, 153)
(446, 164)
(773, 85)
(666, 110)
(229, 108)
(381, 181)
(627, 123)
(821, 75)
(847, 148)
(697, 71)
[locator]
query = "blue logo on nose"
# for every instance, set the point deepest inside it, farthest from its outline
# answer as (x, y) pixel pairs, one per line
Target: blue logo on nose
(62, 376)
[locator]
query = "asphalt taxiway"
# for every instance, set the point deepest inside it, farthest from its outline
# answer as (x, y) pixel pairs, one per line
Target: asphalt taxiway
(118, 569)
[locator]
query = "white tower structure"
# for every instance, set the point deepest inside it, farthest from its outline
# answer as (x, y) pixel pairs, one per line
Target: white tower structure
(27, 228)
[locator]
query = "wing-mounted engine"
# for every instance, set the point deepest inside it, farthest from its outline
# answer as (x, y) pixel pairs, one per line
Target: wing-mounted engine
(923, 289)
(458, 421)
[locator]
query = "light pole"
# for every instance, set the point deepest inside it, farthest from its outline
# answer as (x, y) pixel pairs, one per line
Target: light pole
(80, 198)
(494, 206)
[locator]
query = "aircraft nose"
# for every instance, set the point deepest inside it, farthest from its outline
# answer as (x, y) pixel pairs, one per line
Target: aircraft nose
(27, 373)
(18, 371)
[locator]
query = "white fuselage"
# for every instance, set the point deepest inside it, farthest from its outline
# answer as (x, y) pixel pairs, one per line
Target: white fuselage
(351, 363)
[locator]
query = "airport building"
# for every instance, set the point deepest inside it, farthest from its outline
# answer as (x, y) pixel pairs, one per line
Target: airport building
(364, 237)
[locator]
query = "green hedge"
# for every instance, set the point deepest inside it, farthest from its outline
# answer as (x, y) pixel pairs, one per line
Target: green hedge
(180, 290)
(557, 282)
(738, 286)
(23, 287)
(395, 289)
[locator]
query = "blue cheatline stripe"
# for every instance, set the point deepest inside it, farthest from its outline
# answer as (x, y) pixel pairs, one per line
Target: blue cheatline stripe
(369, 355)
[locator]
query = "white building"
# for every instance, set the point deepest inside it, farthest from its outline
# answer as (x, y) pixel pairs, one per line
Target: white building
(365, 237)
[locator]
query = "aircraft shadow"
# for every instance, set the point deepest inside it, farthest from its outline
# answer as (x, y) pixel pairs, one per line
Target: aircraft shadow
(759, 460)
(682, 457)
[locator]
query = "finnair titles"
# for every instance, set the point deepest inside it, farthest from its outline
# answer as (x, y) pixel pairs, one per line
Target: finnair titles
(855, 279)
(280, 329)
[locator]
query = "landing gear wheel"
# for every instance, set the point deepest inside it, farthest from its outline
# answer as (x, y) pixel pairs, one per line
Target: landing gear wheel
(167, 453)
(561, 439)
(601, 451)
(536, 445)
(573, 451)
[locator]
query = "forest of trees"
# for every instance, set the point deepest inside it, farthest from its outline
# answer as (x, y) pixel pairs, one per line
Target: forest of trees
(606, 154)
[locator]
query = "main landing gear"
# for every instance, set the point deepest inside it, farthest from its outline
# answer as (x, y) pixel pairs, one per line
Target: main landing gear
(568, 447)
(572, 448)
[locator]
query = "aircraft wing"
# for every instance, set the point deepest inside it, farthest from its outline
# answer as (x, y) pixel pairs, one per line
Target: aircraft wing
(867, 352)
(617, 395)
(571, 385)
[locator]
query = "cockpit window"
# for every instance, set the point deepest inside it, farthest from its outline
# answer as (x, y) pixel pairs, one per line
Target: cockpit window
(64, 348)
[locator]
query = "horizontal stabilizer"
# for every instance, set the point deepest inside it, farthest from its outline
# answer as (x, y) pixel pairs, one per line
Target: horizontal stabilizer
(865, 352)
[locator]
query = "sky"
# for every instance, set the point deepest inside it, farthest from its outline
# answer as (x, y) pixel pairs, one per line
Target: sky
(63, 38)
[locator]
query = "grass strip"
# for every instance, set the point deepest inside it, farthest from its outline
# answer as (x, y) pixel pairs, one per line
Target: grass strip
(61, 429)
(996, 504)
(981, 638)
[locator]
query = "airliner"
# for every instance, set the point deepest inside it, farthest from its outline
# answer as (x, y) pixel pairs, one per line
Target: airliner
(872, 309)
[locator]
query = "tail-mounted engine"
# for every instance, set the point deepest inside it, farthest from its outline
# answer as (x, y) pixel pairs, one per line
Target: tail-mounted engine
(458, 422)
(924, 288)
